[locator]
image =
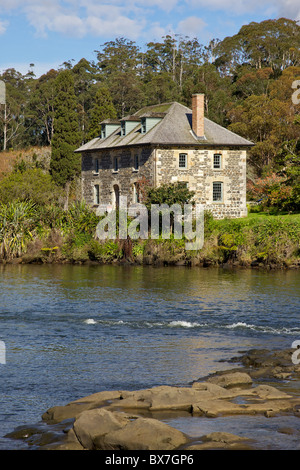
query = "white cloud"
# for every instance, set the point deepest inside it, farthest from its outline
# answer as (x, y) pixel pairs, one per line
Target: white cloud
(112, 27)
(134, 18)
(191, 26)
(3, 26)
(273, 8)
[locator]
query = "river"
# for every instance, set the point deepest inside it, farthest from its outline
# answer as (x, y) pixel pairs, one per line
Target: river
(70, 331)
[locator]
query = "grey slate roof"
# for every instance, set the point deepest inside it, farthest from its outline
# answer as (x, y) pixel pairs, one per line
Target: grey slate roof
(175, 128)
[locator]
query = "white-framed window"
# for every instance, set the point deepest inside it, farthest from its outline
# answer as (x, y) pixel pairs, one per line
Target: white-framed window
(96, 194)
(217, 162)
(217, 191)
(182, 162)
(136, 162)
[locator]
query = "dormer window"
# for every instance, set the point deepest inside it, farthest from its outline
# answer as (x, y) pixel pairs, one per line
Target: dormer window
(128, 124)
(148, 121)
(108, 127)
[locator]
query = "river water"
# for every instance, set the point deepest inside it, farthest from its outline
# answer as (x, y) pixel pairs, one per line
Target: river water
(70, 331)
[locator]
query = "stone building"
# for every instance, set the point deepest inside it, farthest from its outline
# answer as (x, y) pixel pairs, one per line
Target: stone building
(167, 143)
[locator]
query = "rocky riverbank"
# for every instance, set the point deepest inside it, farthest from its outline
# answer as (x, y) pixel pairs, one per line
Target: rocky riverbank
(264, 383)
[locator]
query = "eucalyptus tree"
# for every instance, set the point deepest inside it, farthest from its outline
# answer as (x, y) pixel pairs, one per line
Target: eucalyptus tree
(13, 123)
(119, 64)
(41, 107)
(270, 43)
(85, 77)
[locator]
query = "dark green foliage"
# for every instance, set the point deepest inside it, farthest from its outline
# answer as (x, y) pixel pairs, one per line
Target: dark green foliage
(176, 193)
(30, 184)
(65, 164)
(102, 109)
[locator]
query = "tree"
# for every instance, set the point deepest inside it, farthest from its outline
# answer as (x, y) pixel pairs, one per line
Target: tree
(85, 75)
(65, 164)
(41, 107)
(174, 193)
(270, 43)
(29, 184)
(103, 109)
(13, 124)
(266, 122)
(169, 194)
(120, 55)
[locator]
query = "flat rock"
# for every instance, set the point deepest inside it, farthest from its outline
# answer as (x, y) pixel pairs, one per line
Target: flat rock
(101, 429)
(232, 379)
(221, 440)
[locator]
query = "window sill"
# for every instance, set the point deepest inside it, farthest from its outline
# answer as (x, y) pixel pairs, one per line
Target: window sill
(95, 173)
(115, 171)
(134, 170)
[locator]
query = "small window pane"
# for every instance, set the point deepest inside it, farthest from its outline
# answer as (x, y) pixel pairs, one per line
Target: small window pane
(97, 165)
(217, 160)
(116, 164)
(217, 192)
(182, 160)
(136, 162)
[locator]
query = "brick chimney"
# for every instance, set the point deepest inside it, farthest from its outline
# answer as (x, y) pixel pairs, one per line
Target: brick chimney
(198, 114)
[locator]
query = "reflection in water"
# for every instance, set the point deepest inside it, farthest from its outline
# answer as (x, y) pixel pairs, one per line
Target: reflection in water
(74, 330)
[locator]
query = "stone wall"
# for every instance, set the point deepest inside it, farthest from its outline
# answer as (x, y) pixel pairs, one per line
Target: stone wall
(107, 178)
(158, 166)
(200, 174)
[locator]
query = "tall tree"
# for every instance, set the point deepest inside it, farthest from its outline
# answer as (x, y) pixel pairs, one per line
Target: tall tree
(13, 124)
(103, 109)
(41, 107)
(65, 164)
(85, 75)
(270, 43)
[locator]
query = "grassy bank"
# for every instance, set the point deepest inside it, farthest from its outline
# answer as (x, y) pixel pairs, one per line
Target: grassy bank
(28, 235)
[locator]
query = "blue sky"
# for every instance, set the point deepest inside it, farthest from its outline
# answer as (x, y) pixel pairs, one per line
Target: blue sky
(49, 32)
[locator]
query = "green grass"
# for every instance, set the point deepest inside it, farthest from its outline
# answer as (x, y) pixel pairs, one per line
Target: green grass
(263, 215)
